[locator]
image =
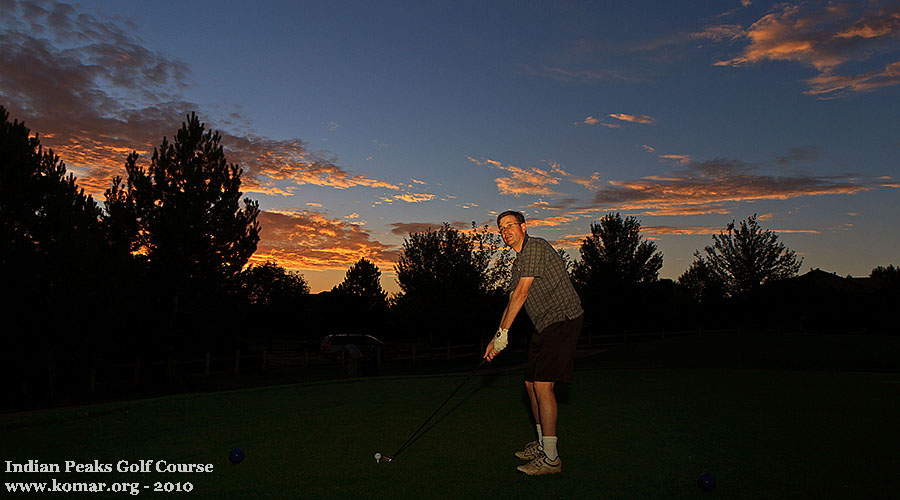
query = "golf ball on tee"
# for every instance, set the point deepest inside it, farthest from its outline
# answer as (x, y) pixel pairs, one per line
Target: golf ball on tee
(378, 457)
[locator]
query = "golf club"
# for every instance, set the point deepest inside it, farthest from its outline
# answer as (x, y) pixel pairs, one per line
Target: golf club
(386, 458)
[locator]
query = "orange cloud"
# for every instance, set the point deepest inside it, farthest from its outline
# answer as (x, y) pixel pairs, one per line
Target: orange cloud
(571, 241)
(644, 119)
(554, 221)
(306, 239)
(269, 162)
(533, 181)
(824, 37)
(689, 230)
(414, 197)
(590, 120)
(536, 181)
(828, 84)
(681, 159)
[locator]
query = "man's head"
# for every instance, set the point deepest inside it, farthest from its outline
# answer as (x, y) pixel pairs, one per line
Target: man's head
(512, 228)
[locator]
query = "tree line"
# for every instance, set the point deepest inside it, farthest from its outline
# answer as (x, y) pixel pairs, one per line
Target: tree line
(162, 266)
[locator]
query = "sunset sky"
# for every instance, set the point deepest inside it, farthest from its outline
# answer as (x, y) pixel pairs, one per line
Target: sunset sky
(358, 122)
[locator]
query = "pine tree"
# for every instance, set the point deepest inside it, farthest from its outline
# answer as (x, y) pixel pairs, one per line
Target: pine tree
(182, 216)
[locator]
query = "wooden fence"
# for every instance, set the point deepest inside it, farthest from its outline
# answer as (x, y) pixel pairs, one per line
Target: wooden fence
(71, 378)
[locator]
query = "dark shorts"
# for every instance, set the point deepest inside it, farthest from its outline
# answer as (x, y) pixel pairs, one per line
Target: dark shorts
(551, 353)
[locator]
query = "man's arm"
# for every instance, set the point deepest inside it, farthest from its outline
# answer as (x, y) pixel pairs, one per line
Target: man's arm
(513, 306)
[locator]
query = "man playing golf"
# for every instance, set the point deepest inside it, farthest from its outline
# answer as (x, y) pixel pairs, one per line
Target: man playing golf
(540, 283)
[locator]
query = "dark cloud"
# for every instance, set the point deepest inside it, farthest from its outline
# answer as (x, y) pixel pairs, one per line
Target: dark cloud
(94, 92)
(800, 155)
(407, 228)
(709, 186)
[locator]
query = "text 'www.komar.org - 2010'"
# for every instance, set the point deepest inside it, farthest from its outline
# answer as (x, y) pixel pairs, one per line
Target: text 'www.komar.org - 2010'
(57, 485)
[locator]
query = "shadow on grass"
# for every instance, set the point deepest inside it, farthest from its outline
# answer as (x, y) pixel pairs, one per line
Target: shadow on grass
(486, 381)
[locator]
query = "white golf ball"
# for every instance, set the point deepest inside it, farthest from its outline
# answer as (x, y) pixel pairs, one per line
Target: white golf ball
(378, 457)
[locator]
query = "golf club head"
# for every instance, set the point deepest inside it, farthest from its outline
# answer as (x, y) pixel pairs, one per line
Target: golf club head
(379, 458)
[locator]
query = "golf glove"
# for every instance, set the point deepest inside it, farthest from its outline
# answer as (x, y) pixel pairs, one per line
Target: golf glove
(500, 339)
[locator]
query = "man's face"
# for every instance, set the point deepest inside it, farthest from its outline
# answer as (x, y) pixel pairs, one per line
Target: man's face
(512, 231)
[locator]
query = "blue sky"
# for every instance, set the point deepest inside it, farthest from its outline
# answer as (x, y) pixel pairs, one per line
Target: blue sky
(357, 122)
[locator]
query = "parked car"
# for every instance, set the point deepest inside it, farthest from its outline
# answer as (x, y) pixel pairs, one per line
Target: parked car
(359, 347)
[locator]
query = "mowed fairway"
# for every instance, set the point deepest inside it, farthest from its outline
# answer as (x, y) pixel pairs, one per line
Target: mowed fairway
(771, 416)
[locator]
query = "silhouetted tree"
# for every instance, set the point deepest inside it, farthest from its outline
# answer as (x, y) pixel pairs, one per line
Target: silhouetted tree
(43, 214)
(567, 260)
(743, 258)
(183, 217)
(363, 281)
(448, 284)
(614, 255)
(703, 286)
(54, 261)
(434, 263)
(51, 239)
(492, 255)
(889, 272)
(359, 303)
(270, 285)
(278, 301)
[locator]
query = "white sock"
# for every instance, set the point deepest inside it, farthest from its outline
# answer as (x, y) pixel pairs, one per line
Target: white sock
(540, 435)
(550, 447)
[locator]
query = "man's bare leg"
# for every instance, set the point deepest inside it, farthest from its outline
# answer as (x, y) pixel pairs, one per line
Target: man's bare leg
(546, 406)
(529, 388)
(535, 410)
(546, 402)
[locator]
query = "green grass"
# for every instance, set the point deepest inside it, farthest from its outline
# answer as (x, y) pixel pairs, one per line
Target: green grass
(771, 416)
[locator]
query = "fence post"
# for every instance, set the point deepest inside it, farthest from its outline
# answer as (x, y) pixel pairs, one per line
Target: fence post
(206, 362)
(170, 369)
(51, 377)
(237, 362)
(137, 371)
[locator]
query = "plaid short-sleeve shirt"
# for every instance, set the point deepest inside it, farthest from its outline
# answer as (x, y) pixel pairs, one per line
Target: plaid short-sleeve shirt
(551, 297)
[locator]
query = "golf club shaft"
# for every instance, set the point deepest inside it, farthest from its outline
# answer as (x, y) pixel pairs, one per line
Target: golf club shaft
(413, 435)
